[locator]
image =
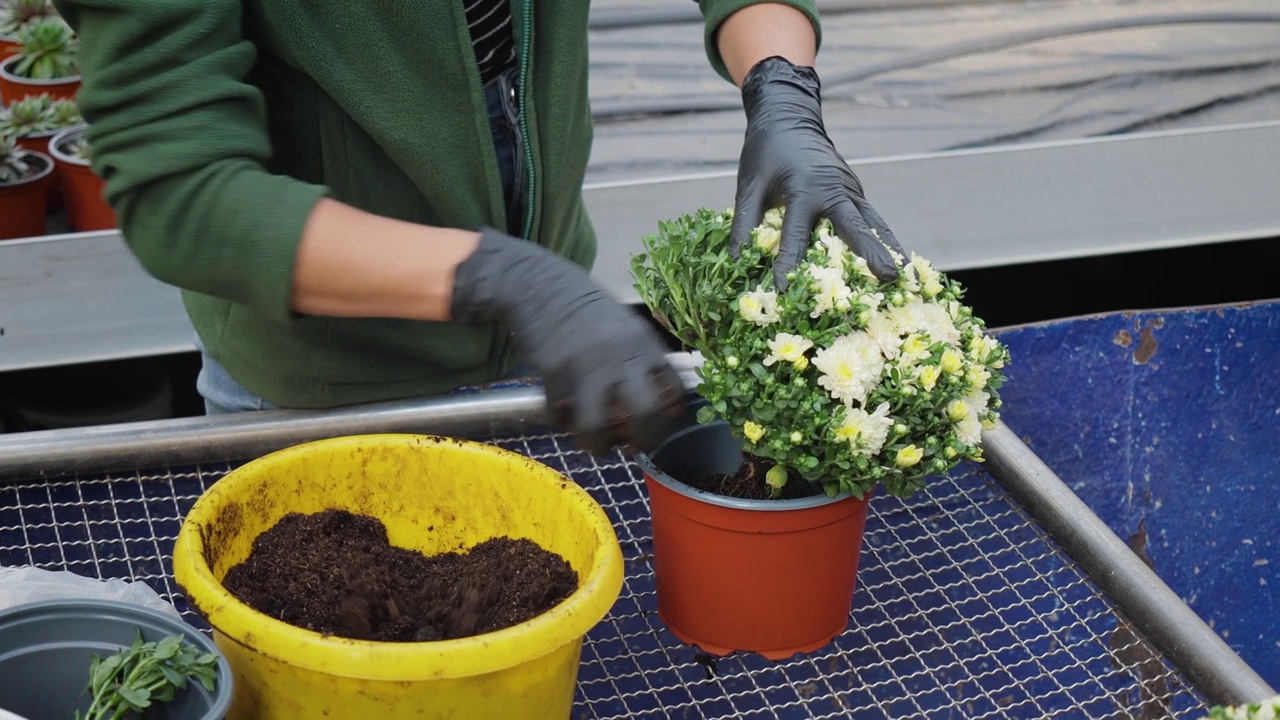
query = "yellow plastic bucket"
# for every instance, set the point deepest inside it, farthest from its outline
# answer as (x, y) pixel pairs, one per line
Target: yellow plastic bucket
(468, 492)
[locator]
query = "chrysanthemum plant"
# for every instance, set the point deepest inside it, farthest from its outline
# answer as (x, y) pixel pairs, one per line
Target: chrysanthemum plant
(841, 381)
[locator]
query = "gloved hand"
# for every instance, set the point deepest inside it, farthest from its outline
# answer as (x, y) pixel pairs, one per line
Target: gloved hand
(787, 159)
(604, 368)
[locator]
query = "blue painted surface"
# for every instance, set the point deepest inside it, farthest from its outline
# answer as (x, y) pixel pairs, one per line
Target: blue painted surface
(1168, 422)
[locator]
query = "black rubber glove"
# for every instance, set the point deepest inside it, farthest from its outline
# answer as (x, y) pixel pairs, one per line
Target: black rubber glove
(604, 368)
(788, 160)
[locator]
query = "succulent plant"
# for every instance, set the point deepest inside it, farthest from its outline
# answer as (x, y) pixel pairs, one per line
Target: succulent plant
(77, 146)
(28, 116)
(65, 113)
(14, 161)
(20, 13)
(49, 50)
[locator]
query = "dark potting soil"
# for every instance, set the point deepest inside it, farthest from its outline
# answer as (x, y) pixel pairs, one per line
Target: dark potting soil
(748, 483)
(334, 572)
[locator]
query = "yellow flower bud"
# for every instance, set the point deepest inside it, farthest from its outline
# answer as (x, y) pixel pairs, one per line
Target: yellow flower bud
(950, 452)
(768, 239)
(797, 437)
(957, 410)
(929, 376)
(800, 363)
(908, 456)
(753, 431)
(952, 362)
(731, 361)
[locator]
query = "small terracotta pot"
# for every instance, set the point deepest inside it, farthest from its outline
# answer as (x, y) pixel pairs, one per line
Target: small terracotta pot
(9, 47)
(39, 142)
(81, 188)
(23, 204)
(774, 577)
(14, 88)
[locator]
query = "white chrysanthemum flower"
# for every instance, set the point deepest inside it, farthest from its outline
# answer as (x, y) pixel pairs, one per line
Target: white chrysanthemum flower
(967, 414)
(977, 400)
(929, 278)
(834, 248)
(830, 291)
(865, 432)
(977, 376)
(927, 376)
(773, 218)
(914, 349)
(952, 361)
(861, 267)
(907, 278)
(981, 347)
(768, 239)
(850, 368)
(969, 430)
(786, 347)
(915, 315)
(885, 333)
(759, 307)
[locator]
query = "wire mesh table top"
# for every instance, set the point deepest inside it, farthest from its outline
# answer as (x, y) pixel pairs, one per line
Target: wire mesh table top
(964, 607)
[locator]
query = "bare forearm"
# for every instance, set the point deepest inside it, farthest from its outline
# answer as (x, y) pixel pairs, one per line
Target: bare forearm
(764, 30)
(354, 264)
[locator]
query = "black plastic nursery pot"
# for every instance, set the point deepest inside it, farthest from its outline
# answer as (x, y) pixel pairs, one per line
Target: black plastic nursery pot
(46, 648)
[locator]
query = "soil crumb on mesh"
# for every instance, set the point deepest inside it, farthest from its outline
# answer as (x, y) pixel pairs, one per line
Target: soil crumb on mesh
(334, 572)
(748, 483)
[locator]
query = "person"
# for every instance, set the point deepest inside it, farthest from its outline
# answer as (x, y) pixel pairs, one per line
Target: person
(366, 201)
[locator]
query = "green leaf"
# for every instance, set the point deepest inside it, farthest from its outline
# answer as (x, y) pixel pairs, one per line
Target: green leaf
(138, 698)
(173, 676)
(167, 647)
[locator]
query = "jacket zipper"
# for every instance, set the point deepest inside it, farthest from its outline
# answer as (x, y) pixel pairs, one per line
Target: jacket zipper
(526, 46)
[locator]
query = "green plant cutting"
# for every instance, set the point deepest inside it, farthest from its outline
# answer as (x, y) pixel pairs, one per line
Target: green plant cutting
(840, 380)
(49, 50)
(145, 673)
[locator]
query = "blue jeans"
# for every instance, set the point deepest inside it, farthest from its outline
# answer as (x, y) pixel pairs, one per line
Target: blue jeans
(221, 392)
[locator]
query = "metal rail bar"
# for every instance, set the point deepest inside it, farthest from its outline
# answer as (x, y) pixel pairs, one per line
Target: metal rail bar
(1154, 609)
(154, 443)
(82, 297)
(1150, 604)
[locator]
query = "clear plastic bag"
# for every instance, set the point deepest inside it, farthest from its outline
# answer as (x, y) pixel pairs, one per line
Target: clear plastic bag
(22, 585)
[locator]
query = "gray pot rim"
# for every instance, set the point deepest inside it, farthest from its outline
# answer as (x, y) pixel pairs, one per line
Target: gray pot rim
(4, 72)
(222, 700)
(59, 136)
(646, 463)
(48, 169)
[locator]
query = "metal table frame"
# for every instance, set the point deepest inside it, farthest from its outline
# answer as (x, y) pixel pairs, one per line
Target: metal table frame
(1151, 606)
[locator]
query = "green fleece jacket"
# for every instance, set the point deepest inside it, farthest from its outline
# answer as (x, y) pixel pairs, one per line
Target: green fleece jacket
(218, 124)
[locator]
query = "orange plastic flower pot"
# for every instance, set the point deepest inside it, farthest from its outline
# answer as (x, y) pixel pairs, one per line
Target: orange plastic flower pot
(14, 88)
(39, 142)
(23, 204)
(773, 577)
(9, 47)
(82, 197)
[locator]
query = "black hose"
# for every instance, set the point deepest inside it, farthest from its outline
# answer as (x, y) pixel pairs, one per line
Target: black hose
(624, 109)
